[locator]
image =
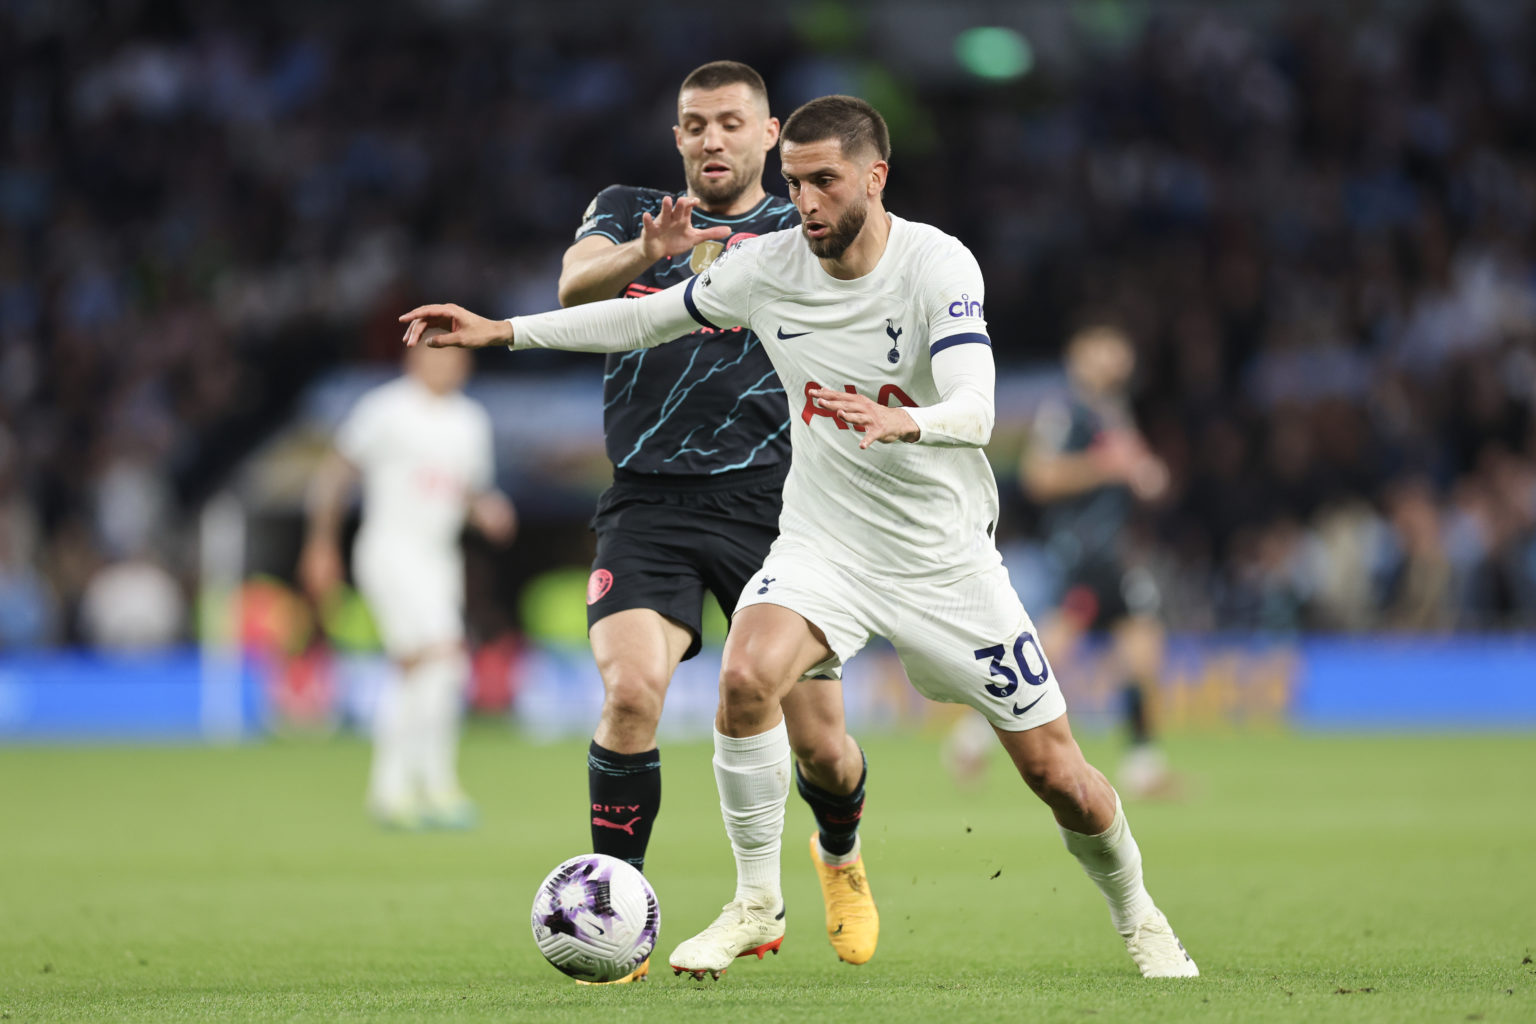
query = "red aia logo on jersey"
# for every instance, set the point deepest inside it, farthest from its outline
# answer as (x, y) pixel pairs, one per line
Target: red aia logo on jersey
(439, 482)
(887, 392)
(598, 584)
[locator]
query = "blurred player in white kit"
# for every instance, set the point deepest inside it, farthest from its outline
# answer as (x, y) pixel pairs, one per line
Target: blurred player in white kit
(423, 451)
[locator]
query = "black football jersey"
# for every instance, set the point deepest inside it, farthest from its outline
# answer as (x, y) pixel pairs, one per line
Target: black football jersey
(1086, 527)
(710, 401)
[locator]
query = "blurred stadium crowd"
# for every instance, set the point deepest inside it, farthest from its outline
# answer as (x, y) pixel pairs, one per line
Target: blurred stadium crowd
(1319, 226)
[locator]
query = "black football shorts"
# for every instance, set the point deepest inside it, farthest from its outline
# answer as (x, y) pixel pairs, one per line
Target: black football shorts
(661, 545)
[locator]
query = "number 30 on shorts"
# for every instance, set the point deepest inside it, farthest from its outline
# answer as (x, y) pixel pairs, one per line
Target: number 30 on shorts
(1027, 656)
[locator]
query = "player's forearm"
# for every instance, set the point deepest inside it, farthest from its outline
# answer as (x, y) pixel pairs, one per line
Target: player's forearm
(325, 503)
(603, 274)
(964, 414)
(613, 325)
(1054, 477)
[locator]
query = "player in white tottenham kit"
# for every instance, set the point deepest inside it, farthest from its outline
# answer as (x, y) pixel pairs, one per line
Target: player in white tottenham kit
(423, 450)
(875, 325)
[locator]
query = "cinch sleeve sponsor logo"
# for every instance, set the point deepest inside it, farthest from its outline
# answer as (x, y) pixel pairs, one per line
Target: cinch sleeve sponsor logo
(966, 306)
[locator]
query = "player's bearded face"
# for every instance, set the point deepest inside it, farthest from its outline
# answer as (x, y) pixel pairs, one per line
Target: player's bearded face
(841, 235)
(722, 135)
(719, 179)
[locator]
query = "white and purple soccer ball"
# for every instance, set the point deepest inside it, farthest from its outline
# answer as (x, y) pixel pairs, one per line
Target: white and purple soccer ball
(595, 918)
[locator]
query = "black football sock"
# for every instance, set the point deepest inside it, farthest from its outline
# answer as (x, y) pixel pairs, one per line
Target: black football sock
(625, 797)
(836, 816)
(1134, 702)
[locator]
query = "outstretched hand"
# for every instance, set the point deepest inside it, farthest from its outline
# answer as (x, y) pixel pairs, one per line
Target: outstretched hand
(1125, 456)
(460, 328)
(671, 232)
(880, 423)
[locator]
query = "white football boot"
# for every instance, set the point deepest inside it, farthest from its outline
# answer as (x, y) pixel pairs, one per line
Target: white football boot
(742, 929)
(1157, 951)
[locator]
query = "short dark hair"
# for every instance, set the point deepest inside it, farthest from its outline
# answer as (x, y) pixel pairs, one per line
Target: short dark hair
(718, 74)
(854, 123)
(1100, 329)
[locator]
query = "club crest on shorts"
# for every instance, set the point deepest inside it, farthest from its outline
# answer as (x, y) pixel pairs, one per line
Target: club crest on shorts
(598, 584)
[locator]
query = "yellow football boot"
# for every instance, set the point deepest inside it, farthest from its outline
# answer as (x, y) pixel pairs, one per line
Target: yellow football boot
(853, 923)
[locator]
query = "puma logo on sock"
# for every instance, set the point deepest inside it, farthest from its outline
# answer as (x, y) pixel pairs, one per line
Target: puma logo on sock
(628, 827)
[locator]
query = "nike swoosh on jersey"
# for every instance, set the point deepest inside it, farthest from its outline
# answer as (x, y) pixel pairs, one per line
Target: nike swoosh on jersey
(786, 337)
(1020, 710)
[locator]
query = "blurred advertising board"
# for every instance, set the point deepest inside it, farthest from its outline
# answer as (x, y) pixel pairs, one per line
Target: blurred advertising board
(1416, 683)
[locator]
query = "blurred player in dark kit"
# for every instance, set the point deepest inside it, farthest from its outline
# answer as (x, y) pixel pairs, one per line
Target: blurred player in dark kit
(1087, 467)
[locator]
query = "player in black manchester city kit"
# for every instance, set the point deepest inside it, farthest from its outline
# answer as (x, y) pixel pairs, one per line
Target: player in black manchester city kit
(699, 438)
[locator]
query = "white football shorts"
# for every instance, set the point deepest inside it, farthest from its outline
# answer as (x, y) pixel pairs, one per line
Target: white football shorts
(416, 595)
(963, 641)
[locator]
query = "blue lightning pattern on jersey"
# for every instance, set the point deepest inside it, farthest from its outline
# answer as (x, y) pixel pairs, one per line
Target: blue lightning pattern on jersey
(744, 463)
(628, 390)
(595, 223)
(656, 417)
(674, 399)
(755, 389)
(685, 450)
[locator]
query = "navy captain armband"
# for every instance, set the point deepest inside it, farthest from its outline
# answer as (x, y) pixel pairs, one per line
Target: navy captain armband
(693, 307)
(974, 337)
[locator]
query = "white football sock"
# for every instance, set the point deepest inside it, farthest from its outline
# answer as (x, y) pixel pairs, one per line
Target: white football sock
(438, 694)
(1113, 860)
(752, 773)
(390, 776)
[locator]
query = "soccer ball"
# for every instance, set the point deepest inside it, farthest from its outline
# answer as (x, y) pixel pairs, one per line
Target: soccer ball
(595, 918)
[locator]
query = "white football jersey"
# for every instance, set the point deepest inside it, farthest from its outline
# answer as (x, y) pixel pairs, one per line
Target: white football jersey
(422, 457)
(893, 510)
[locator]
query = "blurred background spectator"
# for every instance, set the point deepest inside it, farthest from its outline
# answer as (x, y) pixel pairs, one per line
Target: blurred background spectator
(1318, 222)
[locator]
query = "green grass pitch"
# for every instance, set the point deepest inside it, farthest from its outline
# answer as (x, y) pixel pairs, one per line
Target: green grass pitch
(1312, 877)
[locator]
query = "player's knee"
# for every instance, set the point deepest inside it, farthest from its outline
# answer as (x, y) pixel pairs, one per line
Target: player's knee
(745, 685)
(634, 697)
